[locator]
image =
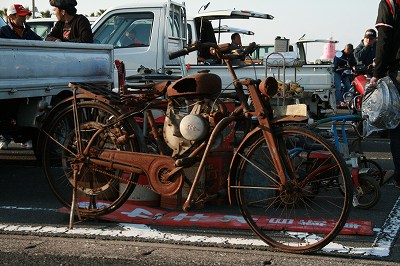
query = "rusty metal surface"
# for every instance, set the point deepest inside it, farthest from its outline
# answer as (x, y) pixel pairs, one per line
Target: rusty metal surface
(17, 154)
(155, 166)
(100, 92)
(199, 84)
(265, 125)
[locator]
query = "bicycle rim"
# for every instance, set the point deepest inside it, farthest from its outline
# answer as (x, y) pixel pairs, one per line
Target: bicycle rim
(371, 192)
(100, 190)
(310, 210)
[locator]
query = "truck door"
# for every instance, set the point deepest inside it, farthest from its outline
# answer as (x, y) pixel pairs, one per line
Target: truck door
(143, 35)
(176, 35)
(133, 34)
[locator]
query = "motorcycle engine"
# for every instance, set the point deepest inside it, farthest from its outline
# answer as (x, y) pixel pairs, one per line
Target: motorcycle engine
(188, 121)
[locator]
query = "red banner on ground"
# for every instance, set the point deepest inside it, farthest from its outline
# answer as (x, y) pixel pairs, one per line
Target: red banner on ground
(131, 213)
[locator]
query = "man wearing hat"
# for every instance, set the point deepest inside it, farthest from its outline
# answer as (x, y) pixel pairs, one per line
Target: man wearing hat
(16, 28)
(70, 27)
(366, 50)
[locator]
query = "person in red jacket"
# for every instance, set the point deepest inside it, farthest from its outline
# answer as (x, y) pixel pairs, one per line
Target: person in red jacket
(70, 27)
(387, 62)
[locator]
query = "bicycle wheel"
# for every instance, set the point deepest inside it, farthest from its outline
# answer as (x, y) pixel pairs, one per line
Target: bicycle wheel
(371, 192)
(308, 211)
(98, 188)
(374, 169)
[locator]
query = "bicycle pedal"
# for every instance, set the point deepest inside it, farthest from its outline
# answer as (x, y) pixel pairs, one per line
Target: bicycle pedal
(185, 162)
(355, 201)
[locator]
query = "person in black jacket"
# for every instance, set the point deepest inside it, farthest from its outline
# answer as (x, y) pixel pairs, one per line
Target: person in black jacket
(366, 50)
(387, 62)
(70, 27)
(16, 28)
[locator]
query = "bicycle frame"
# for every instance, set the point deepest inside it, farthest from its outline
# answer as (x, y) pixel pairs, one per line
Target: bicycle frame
(341, 120)
(352, 158)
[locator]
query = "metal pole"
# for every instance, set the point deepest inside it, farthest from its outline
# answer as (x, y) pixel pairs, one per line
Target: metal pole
(33, 8)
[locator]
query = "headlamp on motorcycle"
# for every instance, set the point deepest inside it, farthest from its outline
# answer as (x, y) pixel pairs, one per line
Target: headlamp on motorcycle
(269, 87)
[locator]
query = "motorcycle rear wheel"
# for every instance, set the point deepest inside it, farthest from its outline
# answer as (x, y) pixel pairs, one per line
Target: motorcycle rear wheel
(100, 190)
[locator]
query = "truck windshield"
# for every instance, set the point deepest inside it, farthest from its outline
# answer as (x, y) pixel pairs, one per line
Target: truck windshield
(126, 30)
(41, 28)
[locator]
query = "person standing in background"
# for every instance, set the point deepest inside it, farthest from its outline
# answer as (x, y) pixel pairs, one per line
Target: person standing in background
(366, 50)
(235, 46)
(340, 64)
(16, 28)
(387, 62)
(70, 27)
(236, 41)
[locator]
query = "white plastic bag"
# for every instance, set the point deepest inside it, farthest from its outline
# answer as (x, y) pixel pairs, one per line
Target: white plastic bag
(381, 107)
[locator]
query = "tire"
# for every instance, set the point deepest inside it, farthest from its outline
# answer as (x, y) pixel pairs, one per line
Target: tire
(371, 192)
(98, 188)
(311, 195)
(374, 169)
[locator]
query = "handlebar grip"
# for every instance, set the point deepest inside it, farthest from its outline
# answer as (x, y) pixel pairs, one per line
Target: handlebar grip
(182, 52)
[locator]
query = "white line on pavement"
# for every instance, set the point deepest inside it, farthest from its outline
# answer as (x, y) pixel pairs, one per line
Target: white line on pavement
(381, 246)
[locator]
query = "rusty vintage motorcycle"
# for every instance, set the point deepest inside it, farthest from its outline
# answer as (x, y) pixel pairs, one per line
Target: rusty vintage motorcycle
(280, 174)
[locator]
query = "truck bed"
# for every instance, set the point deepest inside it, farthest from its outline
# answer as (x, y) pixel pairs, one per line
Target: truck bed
(39, 68)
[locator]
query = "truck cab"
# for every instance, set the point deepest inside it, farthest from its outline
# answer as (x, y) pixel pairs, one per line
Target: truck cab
(158, 29)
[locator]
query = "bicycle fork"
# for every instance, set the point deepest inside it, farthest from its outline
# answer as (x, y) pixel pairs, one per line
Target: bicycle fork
(264, 123)
(355, 170)
(76, 167)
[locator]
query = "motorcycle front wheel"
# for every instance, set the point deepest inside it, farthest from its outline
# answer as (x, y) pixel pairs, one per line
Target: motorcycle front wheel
(306, 211)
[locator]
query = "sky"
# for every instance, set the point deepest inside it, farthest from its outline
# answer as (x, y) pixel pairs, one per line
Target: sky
(343, 20)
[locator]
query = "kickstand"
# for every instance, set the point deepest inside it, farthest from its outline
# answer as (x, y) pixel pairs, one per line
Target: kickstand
(74, 206)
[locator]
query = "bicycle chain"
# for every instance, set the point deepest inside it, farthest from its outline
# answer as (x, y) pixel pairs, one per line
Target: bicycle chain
(123, 179)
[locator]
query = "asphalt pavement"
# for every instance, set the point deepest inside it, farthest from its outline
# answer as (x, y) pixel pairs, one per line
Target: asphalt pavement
(33, 230)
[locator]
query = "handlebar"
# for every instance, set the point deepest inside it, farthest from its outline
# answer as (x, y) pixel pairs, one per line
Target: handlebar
(221, 51)
(182, 52)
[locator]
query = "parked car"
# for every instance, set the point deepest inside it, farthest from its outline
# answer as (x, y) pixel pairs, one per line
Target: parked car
(43, 26)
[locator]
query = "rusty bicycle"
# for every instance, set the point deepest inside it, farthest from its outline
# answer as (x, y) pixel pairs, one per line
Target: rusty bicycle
(280, 174)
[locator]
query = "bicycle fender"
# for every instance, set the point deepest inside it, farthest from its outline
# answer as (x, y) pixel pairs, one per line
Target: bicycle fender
(54, 112)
